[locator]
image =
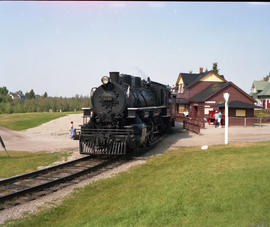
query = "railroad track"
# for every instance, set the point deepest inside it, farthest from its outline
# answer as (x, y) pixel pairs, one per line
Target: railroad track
(30, 186)
(22, 188)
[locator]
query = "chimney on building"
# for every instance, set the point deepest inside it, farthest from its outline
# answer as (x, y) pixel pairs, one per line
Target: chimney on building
(201, 69)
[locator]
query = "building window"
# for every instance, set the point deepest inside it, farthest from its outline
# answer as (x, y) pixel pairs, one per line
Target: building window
(181, 88)
(181, 108)
(240, 113)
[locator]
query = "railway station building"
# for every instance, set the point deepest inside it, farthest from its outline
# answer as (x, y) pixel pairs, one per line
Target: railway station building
(198, 95)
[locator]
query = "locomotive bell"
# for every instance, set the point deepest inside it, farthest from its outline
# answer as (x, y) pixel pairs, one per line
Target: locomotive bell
(105, 80)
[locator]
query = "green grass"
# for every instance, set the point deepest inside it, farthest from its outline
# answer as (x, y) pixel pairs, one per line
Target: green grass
(19, 162)
(21, 121)
(223, 186)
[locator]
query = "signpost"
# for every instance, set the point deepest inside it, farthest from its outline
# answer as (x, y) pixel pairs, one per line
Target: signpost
(226, 97)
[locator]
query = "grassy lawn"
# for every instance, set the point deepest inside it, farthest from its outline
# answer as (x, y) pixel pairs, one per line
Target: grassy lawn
(223, 186)
(21, 121)
(21, 162)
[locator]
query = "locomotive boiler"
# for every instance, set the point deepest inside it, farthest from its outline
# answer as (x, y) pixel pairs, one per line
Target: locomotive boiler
(126, 113)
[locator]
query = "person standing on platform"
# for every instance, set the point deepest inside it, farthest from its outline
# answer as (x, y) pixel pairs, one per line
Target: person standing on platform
(219, 119)
(216, 118)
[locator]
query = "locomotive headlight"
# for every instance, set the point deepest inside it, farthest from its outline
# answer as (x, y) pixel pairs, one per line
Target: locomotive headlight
(105, 80)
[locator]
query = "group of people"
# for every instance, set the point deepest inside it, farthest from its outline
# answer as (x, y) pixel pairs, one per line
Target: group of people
(218, 116)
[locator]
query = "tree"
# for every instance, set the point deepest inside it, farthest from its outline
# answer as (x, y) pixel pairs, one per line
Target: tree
(20, 92)
(267, 78)
(30, 95)
(3, 91)
(45, 95)
(215, 67)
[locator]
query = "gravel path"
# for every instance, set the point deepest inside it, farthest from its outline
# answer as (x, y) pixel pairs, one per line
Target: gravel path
(50, 136)
(53, 136)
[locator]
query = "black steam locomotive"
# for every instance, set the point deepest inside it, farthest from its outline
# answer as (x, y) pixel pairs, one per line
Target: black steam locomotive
(126, 113)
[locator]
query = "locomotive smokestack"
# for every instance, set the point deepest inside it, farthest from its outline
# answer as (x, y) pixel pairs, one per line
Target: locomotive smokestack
(114, 77)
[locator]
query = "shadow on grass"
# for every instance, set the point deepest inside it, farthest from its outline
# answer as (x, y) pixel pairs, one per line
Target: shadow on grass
(177, 133)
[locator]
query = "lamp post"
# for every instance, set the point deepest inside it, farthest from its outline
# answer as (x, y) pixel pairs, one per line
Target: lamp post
(226, 97)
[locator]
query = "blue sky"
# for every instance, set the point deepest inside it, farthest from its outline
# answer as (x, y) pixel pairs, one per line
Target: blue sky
(65, 48)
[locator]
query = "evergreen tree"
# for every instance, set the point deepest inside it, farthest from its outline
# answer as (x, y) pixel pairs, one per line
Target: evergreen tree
(30, 95)
(45, 95)
(267, 78)
(3, 91)
(215, 67)
(20, 92)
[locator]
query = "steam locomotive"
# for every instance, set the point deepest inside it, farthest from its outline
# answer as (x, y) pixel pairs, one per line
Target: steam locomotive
(126, 113)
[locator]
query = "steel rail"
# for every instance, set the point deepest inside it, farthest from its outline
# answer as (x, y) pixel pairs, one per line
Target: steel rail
(54, 182)
(37, 172)
(46, 185)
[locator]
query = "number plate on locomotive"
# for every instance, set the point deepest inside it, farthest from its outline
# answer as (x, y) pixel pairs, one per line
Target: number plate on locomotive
(108, 98)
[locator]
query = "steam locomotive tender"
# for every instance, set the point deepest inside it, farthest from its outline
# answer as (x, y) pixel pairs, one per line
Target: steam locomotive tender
(127, 113)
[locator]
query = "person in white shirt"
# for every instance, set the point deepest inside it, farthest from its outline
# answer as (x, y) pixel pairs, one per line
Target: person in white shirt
(216, 118)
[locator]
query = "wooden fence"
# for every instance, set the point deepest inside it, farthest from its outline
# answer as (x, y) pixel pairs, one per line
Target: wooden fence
(241, 121)
(195, 125)
(263, 119)
(192, 125)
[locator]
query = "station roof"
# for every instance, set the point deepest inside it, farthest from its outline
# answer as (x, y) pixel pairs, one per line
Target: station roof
(191, 78)
(182, 101)
(209, 91)
(238, 104)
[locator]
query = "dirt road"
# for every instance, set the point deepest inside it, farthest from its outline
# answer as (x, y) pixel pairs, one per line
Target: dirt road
(51, 136)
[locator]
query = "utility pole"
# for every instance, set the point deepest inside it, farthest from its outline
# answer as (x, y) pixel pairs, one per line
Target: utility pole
(226, 97)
